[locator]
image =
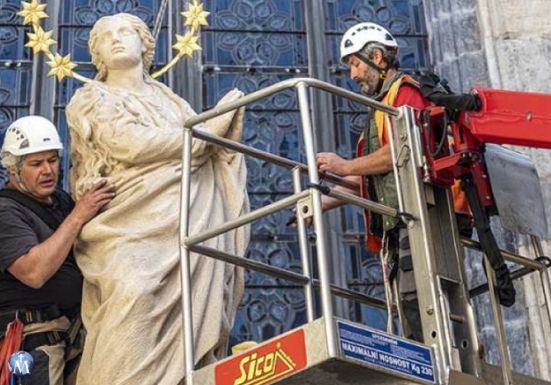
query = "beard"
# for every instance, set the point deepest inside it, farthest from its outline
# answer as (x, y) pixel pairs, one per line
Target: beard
(370, 86)
(366, 90)
(369, 89)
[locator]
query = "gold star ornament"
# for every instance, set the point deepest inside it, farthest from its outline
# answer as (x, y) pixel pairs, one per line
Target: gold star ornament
(32, 12)
(40, 41)
(62, 66)
(196, 16)
(186, 44)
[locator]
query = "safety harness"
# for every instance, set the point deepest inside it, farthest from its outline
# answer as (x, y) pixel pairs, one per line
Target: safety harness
(13, 322)
(387, 95)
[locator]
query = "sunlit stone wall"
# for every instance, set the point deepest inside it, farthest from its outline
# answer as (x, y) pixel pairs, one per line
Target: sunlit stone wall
(502, 44)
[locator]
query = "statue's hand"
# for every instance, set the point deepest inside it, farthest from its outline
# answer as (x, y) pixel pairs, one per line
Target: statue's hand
(221, 124)
(235, 131)
(234, 94)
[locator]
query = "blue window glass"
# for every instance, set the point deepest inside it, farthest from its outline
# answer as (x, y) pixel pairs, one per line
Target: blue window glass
(404, 18)
(15, 69)
(251, 45)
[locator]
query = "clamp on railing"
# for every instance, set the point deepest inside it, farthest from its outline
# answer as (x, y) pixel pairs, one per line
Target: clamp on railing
(322, 188)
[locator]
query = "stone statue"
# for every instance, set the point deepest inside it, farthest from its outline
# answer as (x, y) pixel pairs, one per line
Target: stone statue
(127, 127)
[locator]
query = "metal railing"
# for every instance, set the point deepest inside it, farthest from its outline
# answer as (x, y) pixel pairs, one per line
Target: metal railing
(190, 244)
(312, 193)
(541, 264)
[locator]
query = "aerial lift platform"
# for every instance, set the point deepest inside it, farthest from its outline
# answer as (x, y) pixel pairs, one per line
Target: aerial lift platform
(331, 350)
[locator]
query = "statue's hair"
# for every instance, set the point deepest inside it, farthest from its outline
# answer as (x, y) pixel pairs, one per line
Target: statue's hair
(148, 41)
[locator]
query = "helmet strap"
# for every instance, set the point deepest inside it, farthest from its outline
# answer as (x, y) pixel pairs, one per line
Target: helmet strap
(17, 176)
(382, 70)
(20, 181)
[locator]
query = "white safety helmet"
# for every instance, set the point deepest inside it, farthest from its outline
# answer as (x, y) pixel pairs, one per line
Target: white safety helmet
(359, 35)
(29, 135)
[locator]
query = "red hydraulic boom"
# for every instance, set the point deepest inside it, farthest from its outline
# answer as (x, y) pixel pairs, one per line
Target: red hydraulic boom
(500, 117)
(506, 117)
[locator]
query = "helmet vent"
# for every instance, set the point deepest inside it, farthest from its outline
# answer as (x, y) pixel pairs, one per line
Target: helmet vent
(24, 144)
(47, 139)
(348, 43)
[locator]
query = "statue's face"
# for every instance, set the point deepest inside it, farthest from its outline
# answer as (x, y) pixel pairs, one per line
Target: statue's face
(119, 45)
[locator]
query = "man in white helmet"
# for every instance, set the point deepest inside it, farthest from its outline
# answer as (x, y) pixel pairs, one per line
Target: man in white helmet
(40, 282)
(371, 52)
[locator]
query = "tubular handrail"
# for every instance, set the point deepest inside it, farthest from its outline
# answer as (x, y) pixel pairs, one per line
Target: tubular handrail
(518, 259)
(246, 218)
(288, 275)
(284, 203)
(367, 204)
(285, 84)
(315, 189)
(269, 157)
(190, 243)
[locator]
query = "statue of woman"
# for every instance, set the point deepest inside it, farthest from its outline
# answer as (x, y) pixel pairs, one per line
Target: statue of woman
(127, 127)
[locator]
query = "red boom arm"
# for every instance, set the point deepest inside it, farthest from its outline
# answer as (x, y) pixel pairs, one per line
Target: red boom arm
(506, 117)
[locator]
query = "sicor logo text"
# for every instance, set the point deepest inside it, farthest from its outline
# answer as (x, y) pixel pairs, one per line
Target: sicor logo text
(266, 363)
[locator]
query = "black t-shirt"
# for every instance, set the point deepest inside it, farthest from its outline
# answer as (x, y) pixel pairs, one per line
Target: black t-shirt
(20, 230)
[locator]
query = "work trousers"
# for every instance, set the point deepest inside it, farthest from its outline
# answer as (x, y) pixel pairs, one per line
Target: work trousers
(53, 364)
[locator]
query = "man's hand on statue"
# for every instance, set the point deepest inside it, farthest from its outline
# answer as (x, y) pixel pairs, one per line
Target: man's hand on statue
(331, 162)
(91, 202)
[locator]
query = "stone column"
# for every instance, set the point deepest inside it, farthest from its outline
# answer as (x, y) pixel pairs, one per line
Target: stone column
(501, 44)
(456, 49)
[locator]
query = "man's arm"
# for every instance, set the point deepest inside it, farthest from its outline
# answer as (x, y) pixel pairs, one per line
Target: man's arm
(376, 163)
(380, 161)
(42, 261)
(329, 203)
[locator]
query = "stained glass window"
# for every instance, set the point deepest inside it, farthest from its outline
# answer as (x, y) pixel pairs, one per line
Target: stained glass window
(15, 69)
(252, 44)
(249, 44)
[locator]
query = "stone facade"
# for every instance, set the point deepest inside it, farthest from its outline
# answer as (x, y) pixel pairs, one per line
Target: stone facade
(502, 44)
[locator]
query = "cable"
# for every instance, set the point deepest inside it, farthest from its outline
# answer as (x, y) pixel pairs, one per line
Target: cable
(443, 137)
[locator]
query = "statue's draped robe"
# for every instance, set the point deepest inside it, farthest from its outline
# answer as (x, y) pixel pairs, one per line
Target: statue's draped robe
(129, 252)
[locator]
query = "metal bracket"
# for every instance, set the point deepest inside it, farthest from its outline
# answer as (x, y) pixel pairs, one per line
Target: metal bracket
(403, 155)
(304, 208)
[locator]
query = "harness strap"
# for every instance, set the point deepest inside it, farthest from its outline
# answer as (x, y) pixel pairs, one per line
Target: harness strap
(388, 98)
(23, 199)
(10, 344)
(29, 316)
(32, 341)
